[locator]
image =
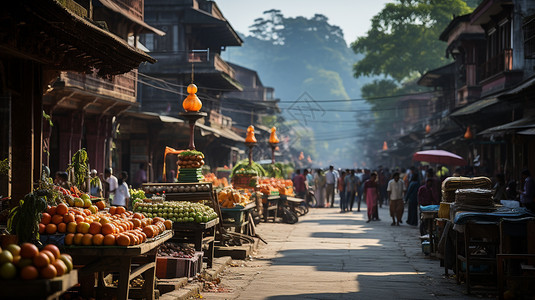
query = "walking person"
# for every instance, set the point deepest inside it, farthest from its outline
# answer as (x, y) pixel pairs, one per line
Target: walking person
(95, 186)
(319, 184)
(299, 184)
(371, 194)
(122, 194)
(330, 179)
(110, 185)
(436, 186)
(141, 176)
(351, 182)
(342, 191)
(411, 197)
(396, 190)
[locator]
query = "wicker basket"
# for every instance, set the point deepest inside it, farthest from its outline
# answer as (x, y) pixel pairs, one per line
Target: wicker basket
(244, 181)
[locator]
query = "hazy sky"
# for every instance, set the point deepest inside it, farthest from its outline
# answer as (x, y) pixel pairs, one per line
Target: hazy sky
(353, 16)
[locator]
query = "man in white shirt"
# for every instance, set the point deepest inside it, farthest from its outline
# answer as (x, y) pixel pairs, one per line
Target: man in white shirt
(396, 189)
(330, 178)
(112, 184)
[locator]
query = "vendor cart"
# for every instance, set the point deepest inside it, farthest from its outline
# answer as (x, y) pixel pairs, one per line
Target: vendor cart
(129, 262)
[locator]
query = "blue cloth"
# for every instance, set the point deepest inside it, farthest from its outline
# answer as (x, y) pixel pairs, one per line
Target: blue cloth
(429, 207)
(502, 212)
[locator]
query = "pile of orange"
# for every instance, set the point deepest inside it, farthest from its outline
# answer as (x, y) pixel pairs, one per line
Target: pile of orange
(117, 226)
(29, 263)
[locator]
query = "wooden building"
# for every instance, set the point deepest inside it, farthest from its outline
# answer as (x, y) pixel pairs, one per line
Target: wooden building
(39, 40)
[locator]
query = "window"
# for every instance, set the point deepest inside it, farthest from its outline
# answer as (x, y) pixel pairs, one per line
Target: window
(528, 27)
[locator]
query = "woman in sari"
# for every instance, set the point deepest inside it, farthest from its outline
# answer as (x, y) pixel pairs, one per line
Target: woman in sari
(371, 194)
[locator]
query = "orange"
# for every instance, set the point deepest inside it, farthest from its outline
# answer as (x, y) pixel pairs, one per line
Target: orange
(62, 227)
(48, 272)
(104, 220)
(50, 255)
(62, 209)
(98, 239)
(54, 249)
(87, 212)
(56, 219)
(136, 223)
(41, 228)
(95, 228)
(149, 231)
(138, 216)
(87, 239)
(168, 224)
(41, 260)
(143, 237)
(60, 266)
(82, 227)
(120, 210)
(51, 210)
(79, 219)
(29, 273)
(101, 205)
(109, 240)
(69, 239)
(68, 218)
(78, 238)
(51, 228)
(123, 240)
(45, 218)
(71, 227)
(28, 250)
(108, 229)
(112, 210)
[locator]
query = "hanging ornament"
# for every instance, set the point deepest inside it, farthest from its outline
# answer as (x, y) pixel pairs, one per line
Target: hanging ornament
(385, 146)
(427, 128)
(250, 138)
(468, 133)
(273, 137)
(192, 103)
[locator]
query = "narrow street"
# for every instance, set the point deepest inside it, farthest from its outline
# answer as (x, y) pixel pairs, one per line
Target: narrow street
(330, 255)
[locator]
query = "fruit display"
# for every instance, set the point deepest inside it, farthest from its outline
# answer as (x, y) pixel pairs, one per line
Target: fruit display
(28, 263)
(114, 227)
(268, 185)
(178, 211)
(190, 159)
(136, 195)
(216, 182)
(169, 249)
(230, 198)
(177, 188)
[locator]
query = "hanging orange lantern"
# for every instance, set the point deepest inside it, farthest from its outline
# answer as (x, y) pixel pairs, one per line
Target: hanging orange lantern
(385, 146)
(301, 156)
(273, 137)
(468, 133)
(192, 102)
(427, 128)
(250, 138)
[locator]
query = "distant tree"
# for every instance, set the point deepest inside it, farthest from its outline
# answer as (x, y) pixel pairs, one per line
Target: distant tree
(403, 39)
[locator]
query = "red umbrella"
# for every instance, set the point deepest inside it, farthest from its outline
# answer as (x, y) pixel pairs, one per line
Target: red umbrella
(439, 157)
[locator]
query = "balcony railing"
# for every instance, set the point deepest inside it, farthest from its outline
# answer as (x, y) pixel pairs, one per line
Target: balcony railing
(500, 63)
(122, 87)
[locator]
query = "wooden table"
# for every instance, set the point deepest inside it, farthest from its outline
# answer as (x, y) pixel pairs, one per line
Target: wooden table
(39, 288)
(271, 203)
(429, 216)
(240, 215)
(198, 234)
(117, 259)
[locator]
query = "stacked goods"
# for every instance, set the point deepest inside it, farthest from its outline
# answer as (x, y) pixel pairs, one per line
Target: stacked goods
(178, 211)
(117, 226)
(190, 163)
(245, 177)
(451, 184)
(136, 195)
(282, 186)
(216, 182)
(176, 188)
(230, 198)
(28, 263)
(474, 200)
(176, 250)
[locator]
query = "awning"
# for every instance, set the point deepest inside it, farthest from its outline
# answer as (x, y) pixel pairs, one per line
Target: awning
(224, 133)
(212, 27)
(524, 123)
(474, 107)
(527, 132)
(123, 12)
(153, 117)
(521, 87)
(73, 43)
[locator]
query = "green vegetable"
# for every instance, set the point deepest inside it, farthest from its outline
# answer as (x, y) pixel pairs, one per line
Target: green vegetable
(244, 164)
(24, 218)
(191, 152)
(79, 166)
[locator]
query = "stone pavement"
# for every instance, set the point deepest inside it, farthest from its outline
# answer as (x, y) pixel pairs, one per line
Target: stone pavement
(333, 255)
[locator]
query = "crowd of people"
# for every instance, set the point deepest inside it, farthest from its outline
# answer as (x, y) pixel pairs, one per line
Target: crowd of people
(395, 188)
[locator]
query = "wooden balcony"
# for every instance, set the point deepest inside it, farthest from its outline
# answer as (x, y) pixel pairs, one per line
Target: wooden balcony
(502, 62)
(123, 87)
